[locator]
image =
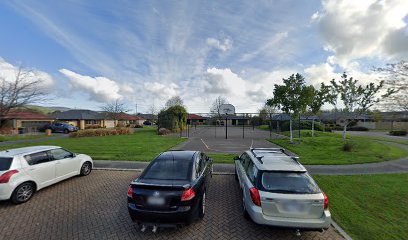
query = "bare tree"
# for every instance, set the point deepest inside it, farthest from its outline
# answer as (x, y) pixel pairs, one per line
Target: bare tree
(174, 101)
(23, 89)
(114, 109)
(395, 76)
(216, 106)
(153, 109)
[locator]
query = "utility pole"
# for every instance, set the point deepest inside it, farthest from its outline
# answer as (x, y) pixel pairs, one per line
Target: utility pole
(136, 108)
(226, 125)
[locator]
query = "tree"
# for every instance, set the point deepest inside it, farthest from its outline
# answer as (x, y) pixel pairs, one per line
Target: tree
(395, 76)
(265, 113)
(320, 97)
(152, 109)
(173, 118)
(174, 101)
(292, 98)
(216, 106)
(114, 109)
(23, 89)
(356, 98)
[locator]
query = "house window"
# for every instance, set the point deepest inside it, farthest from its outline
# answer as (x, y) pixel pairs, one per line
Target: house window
(92, 122)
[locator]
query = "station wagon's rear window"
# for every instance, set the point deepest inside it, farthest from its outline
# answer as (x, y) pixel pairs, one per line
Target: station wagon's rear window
(165, 167)
(5, 163)
(289, 182)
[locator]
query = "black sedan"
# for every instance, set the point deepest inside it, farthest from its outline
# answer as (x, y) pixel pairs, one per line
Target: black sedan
(171, 190)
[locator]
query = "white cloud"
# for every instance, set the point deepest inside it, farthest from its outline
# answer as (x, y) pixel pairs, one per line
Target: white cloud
(163, 91)
(363, 29)
(100, 89)
(223, 45)
(8, 73)
(324, 72)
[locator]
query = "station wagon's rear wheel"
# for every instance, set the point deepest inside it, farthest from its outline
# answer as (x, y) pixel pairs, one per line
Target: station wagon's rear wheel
(201, 212)
(244, 211)
(23, 193)
(86, 169)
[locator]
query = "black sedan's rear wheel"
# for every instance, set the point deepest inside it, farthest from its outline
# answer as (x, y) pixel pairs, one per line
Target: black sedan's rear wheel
(201, 209)
(66, 131)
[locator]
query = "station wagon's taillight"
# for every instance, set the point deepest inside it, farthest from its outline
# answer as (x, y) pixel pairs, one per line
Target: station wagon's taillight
(188, 194)
(130, 192)
(326, 201)
(5, 177)
(256, 199)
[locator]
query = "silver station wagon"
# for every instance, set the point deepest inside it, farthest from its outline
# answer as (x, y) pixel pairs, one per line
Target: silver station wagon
(278, 191)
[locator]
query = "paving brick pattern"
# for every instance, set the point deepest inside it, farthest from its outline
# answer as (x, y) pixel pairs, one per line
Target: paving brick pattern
(94, 207)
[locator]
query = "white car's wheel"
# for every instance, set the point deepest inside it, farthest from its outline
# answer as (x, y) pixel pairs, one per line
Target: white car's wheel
(86, 169)
(23, 193)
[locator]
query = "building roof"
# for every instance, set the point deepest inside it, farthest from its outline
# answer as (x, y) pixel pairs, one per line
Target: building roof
(195, 116)
(147, 116)
(128, 117)
(79, 115)
(20, 114)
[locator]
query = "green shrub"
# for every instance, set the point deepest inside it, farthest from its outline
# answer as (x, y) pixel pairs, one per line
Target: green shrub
(164, 131)
(304, 125)
(138, 126)
(398, 133)
(173, 118)
(347, 147)
(101, 132)
(357, 128)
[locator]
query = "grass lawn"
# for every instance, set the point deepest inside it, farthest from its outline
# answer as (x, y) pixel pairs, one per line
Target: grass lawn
(369, 206)
(5, 138)
(326, 148)
(143, 145)
(222, 157)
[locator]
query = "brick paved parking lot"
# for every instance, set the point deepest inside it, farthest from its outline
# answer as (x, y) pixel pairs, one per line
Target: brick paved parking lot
(94, 207)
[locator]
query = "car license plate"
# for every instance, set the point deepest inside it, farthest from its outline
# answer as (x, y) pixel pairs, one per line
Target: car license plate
(293, 206)
(156, 201)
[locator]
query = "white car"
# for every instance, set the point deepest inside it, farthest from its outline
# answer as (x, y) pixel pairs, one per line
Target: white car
(278, 191)
(26, 170)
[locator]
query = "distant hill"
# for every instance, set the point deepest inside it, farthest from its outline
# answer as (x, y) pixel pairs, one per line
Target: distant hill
(47, 110)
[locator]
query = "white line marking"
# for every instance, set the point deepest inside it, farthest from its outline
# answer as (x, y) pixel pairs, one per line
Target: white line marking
(205, 144)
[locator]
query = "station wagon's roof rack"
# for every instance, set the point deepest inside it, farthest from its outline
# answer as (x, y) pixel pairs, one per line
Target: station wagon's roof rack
(270, 150)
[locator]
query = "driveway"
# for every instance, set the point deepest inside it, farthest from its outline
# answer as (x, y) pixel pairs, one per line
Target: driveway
(94, 207)
(383, 135)
(212, 139)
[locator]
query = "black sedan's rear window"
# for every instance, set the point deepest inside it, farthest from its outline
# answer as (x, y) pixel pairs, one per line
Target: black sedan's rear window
(5, 163)
(166, 167)
(289, 182)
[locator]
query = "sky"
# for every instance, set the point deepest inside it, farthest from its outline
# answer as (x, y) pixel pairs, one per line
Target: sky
(144, 52)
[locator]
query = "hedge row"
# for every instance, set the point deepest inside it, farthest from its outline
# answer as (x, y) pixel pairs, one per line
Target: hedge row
(398, 133)
(101, 132)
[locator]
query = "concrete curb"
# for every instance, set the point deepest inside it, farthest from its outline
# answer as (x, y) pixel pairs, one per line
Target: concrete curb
(341, 231)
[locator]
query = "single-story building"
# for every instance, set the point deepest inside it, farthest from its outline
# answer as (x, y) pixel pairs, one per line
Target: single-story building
(127, 120)
(234, 120)
(85, 119)
(25, 121)
(194, 119)
(148, 117)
